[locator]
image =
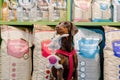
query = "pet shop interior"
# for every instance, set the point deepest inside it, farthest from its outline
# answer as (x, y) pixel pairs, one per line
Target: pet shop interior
(59, 39)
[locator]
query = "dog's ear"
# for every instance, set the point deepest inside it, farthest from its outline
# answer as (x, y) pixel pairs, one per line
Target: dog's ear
(74, 29)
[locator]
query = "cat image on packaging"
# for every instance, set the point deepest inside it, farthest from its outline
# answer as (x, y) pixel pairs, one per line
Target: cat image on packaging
(81, 10)
(5, 11)
(116, 10)
(101, 11)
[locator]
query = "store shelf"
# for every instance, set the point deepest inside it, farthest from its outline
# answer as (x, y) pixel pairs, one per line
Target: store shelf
(55, 23)
(97, 23)
(26, 23)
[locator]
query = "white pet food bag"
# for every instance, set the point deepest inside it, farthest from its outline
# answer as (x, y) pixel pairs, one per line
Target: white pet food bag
(116, 10)
(42, 37)
(0, 62)
(87, 46)
(112, 53)
(57, 10)
(81, 10)
(44, 7)
(0, 53)
(101, 11)
(16, 61)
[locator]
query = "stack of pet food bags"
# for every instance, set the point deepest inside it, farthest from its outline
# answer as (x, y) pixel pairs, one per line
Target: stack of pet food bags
(112, 53)
(16, 61)
(87, 46)
(42, 37)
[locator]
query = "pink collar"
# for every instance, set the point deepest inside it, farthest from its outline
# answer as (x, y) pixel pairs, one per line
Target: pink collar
(70, 55)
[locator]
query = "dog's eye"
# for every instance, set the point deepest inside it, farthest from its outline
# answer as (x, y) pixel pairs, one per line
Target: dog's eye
(65, 23)
(59, 23)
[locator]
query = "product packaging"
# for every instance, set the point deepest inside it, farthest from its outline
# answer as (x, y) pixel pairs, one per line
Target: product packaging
(5, 11)
(44, 9)
(29, 9)
(0, 62)
(16, 63)
(112, 53)
(58, 10)
(42, 37)
(81, 10)
(12, 5)
(88, 50)
(101, 11)
(116, 10)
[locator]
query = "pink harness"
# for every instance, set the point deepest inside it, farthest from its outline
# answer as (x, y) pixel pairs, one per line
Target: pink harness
(70, 55)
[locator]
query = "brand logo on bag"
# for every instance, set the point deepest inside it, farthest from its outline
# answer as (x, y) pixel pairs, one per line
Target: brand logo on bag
(45, 50)
(88, 47)
(116, 48)
(17, 48)
(117, 44)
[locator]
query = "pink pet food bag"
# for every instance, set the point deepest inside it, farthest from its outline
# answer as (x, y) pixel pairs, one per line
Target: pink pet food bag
(16, 61)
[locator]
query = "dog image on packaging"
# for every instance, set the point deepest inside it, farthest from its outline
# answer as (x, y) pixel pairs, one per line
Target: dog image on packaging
(81, 10)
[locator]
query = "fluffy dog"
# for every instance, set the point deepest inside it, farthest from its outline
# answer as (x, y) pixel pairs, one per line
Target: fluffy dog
(66, 53)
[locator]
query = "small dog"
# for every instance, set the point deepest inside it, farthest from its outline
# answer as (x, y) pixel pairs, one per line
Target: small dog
(66, 53)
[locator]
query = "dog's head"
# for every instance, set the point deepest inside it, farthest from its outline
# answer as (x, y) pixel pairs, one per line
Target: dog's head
(66, 27)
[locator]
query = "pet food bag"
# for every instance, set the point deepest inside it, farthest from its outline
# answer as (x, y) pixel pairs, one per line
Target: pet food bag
(57, 10)
(112, 53)
(43, 8)
(82, 10)
(87, 46)
(42, 37)
(0, 62)
(101, 11)
(16, 61)
(116, 10)
(0, 54)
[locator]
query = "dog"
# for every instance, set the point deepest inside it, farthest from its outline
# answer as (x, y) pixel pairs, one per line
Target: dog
(69, 70)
